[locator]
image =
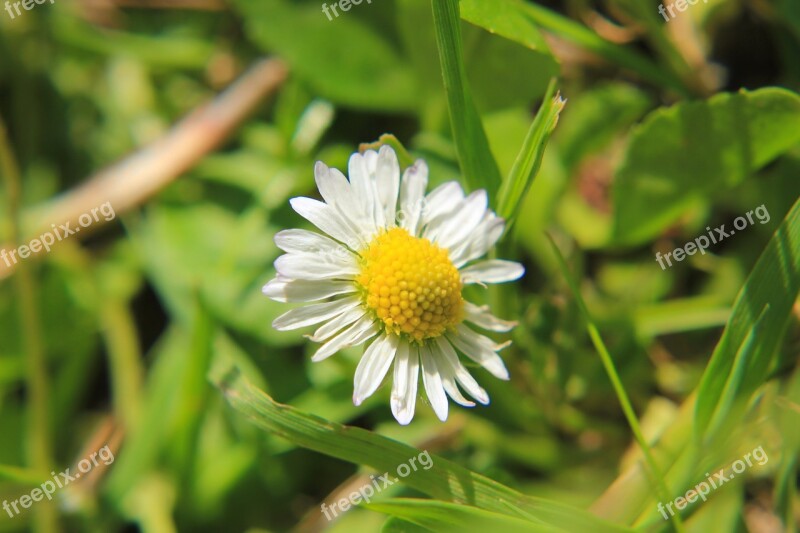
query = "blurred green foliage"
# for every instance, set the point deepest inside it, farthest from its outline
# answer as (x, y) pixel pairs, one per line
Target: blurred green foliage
(141, 321)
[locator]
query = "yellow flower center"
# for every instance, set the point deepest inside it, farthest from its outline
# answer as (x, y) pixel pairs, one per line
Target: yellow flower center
(410, 284)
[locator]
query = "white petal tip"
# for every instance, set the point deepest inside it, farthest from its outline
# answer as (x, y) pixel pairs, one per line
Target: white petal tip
(403, 419)
(320, 355)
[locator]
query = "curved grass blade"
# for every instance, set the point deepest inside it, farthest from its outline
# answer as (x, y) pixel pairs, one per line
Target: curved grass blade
(447, 517)
(445, 480)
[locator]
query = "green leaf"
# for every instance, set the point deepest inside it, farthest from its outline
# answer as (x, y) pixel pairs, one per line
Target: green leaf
(692, 150)
(445, 517)
(404, 158)
(475, 158)
(444, 480)
(364, 71)
(743, 356)
(506, 18)
(516, 185)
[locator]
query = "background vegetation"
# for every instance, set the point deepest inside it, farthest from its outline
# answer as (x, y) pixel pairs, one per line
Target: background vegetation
(149, 333)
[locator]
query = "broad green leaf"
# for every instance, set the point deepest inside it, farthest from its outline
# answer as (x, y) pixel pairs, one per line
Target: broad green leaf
(506, 18)
(754, 329)
(515, 187)
(449, 517)
(344, 60)
(444, 480)
(475, 158)
(687, 152)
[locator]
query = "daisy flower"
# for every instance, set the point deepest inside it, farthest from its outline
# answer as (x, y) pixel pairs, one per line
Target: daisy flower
(388, 269)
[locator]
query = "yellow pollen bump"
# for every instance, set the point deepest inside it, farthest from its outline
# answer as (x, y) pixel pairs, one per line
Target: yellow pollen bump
(410, 284)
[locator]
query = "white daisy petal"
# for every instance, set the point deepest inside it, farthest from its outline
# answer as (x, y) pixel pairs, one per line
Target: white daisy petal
(373, 367)
(315, 267)
(354, 335)
(326, 218)
(387, 178)
(480, 241)
(412, 196)
(448, 375)
(302, 241)
(451, 363)
(314, 314)
(332, 185)
(363, 186)
(492, 271)
(432, 380)
(460, 224)
(406, 377)
(481, 317)
(377, 214)
(351, 210)
(288, 290)
(441, 202)
(335, 324)
(480, 349)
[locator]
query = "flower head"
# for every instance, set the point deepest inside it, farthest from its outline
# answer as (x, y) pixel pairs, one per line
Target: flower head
(389, 270)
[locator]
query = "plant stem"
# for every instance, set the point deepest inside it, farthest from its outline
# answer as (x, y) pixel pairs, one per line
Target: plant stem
(38, 430)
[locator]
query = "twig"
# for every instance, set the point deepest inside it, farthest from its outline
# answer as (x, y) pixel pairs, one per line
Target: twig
(139, 176)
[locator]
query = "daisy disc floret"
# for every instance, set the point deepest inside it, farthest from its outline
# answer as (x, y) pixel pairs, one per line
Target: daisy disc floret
(388, 270)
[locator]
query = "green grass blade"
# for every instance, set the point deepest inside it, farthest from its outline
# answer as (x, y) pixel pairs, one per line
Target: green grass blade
(22, 476)
(774, 283)
(441, 516)
(476, 160)
(515, 187)
(445, 480)
(656, 474)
